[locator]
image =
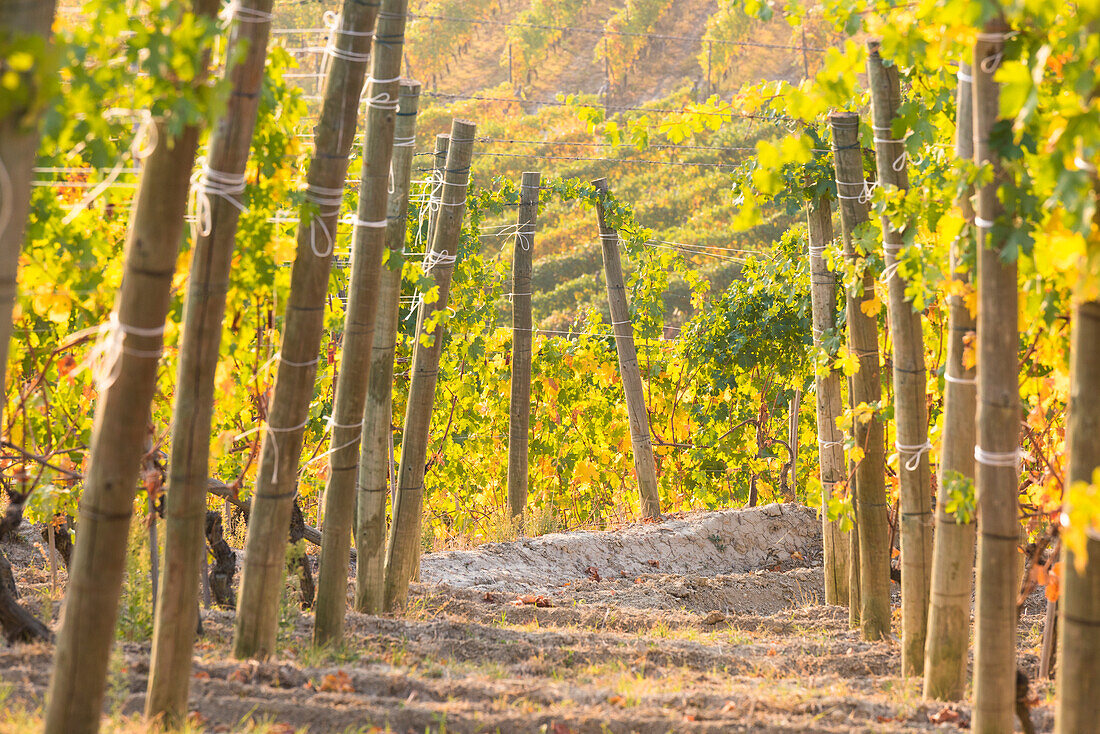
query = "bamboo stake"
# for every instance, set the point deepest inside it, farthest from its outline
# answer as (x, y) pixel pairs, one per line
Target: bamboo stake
(276, 487)
(359, 322)
(402, 549)
(870, 480)
(998, 418)
(827, 381)
(792, 441)
(19, 135)
(519, 412)
(376, 443)
(218, 209)
(909, 374)
(948, 639)
(127, 382)
(644, 465)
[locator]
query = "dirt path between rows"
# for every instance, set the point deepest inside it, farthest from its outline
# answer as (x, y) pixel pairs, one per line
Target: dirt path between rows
(724, 633)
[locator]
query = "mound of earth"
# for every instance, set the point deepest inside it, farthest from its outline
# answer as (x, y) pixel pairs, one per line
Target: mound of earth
(702, 544)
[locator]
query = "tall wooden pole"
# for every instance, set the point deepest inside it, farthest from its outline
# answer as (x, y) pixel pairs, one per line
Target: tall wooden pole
(998, 419)
(1078, 705)
(823, 286)
(277, 479)
(351, 383)
(219, 198)
(909, 374)
(644, 465)
(126, 379)
(404, 540)
(374, 458)
(948, 638)
(519, 411)
(19, 135)
(870, 476)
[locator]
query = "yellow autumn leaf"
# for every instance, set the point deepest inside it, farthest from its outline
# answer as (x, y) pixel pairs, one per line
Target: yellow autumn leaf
(871, 307)
(856, 454)
(848, 363)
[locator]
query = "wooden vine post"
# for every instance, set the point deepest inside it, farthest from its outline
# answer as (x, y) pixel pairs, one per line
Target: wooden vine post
(869, 498)
(371, 224)
(827, 381)
(374, 458)
(1078, 703)
(402, 550)
(19, 136)
(998, 416)
(909, 376)
(277, 479)
(644, 464)
(945, 651)
(126, 378)
(218, 196)
(519, 412)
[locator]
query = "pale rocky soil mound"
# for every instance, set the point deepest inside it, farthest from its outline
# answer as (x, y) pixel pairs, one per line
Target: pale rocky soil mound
(719, 637)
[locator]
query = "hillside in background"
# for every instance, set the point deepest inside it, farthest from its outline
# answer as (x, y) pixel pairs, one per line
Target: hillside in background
(509, 65)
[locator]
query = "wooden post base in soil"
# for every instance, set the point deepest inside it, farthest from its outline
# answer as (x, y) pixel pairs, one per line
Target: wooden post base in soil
(948, 641)
(402, 550)
(262, 580)
(998, 417)
(1078, 706)
(870, 474)
(519, 409)
(830, 441)
(644, 465)
(374, 481)
(909, 377)
(368, 245)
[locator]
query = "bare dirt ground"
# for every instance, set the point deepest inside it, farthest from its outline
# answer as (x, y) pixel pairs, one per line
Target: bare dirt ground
(710, 623)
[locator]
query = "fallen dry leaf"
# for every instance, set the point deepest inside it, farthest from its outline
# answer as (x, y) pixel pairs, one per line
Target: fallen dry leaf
(946, 715)
(488, 596)
(616, 700)
(593, 573)
(537, 600)
(654, 563)
(338, 682)
(728, 707)
(797, 556)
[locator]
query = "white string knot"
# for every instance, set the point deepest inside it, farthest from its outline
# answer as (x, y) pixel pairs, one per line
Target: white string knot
(206, 183)
(105, 356)
(916, 451)
(995, 458)
(866, 191)
(437, 258)
(328, 201)
(991, 63)
(900, 161)
(334, 23)
(380, 224)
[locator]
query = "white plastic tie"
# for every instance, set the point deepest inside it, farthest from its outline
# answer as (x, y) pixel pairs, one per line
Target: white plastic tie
(983, 223)
(959, 380)
(105, 356)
